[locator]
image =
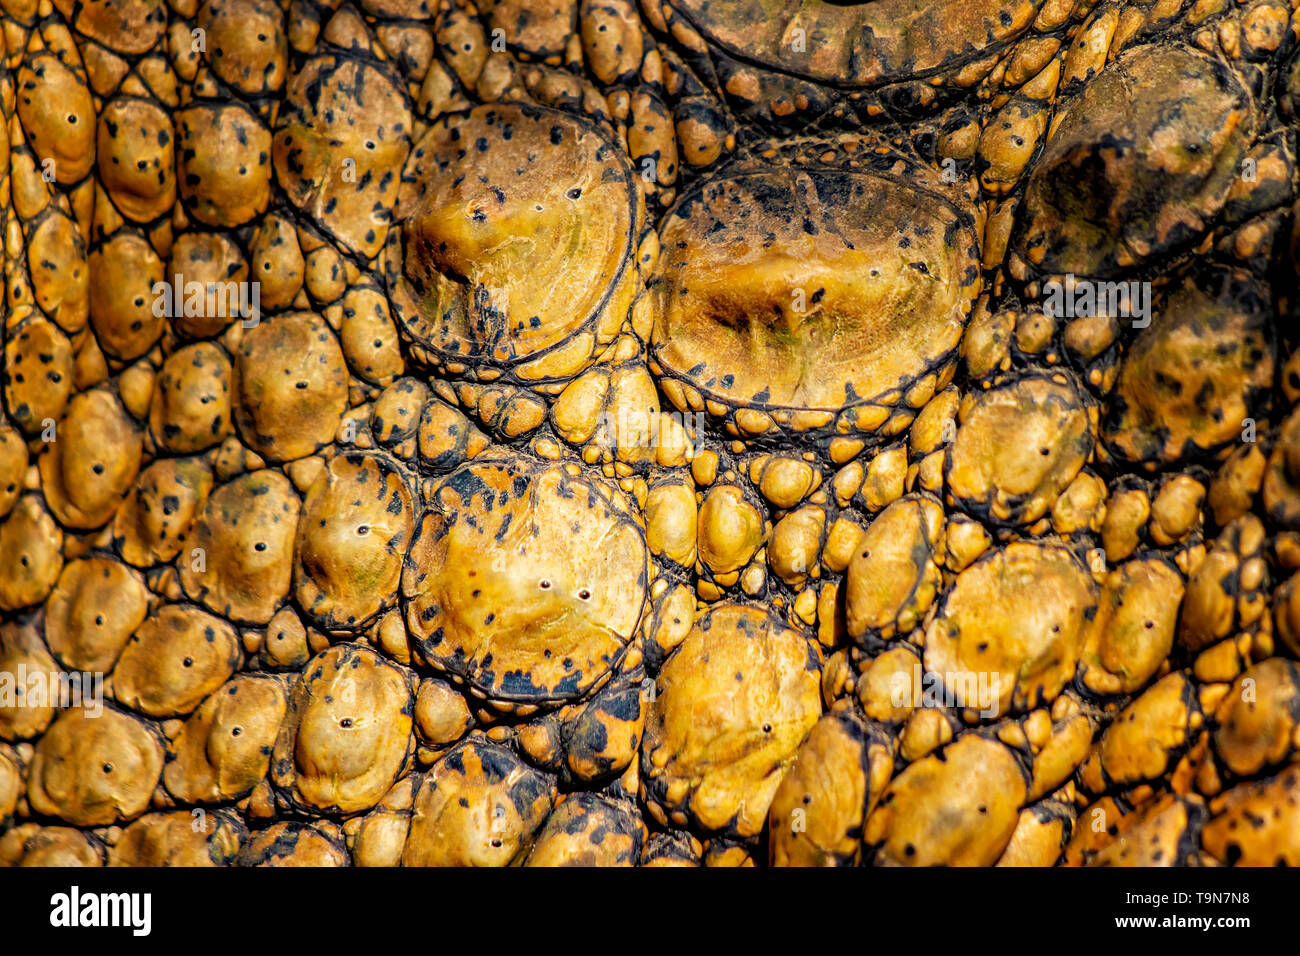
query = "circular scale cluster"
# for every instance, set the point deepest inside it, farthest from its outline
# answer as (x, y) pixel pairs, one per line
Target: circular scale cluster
(649, 432)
